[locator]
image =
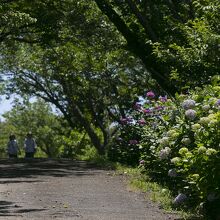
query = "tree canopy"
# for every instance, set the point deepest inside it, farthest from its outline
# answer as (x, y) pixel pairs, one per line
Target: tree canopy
(178, 41)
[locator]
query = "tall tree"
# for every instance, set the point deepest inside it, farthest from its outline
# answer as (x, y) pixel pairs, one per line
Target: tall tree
(81, 70)
(178, 41)
(77, 81)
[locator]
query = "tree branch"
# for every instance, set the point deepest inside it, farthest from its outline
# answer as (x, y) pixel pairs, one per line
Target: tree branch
(140, 49)
(143, 21)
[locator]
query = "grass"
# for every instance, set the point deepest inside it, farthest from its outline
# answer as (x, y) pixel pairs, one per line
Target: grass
(91, 155)
(141, 182)
(157, 193)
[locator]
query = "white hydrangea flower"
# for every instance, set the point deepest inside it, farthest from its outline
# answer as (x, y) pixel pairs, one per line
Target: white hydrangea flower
(188, 154)
(213, 122)
(164, 153)
(212, 100)
(186, 141)
(202, 149)
(183, 150)
(168, 150)
(152, 148)
(205, 107)
(211, 116)
(196, 127)
(172, 133)
(210, 151)
(164, 141)
(175, 160)
(204, 120)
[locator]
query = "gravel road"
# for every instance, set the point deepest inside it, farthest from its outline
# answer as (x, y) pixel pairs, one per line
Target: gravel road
(66, 189)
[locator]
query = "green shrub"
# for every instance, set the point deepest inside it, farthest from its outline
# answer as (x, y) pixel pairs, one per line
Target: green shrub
(178, 144)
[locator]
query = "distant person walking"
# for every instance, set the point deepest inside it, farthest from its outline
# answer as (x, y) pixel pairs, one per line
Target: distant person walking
(29, 146)
(12, 147)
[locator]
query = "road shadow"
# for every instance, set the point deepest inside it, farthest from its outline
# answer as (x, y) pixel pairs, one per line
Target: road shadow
(31, 168)
(10, 209)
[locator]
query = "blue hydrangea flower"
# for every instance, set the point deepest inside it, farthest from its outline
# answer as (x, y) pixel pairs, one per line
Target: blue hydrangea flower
(190, 114)
(212, 197)
(172, 173)
(188, 104)
(181, 198)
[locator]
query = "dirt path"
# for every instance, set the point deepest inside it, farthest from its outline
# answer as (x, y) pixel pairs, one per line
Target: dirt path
(52, 189)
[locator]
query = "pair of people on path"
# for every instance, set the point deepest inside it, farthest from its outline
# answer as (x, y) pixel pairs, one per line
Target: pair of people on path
(29, 146)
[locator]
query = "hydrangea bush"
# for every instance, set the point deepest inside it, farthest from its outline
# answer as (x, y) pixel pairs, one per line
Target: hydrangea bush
(178, 142)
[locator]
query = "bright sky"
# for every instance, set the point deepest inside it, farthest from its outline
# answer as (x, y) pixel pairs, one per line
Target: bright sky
(5, 105)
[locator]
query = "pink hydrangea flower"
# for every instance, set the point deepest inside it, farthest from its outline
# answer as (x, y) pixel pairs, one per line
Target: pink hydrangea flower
(142, 121)
(150, 94)
(142, 162)
(125, 120)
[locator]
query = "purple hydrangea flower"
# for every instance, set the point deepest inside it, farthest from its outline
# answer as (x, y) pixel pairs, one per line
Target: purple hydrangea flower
(147, 111)
(163, 98)
(137, 106)
(180, 199)
(159, 108)
(133, 142)
(218, 103)
(188, 104)
(150, 94)
(190, 114)
(125, 120)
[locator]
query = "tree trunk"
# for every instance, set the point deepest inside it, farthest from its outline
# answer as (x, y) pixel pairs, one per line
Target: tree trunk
(90, 131)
